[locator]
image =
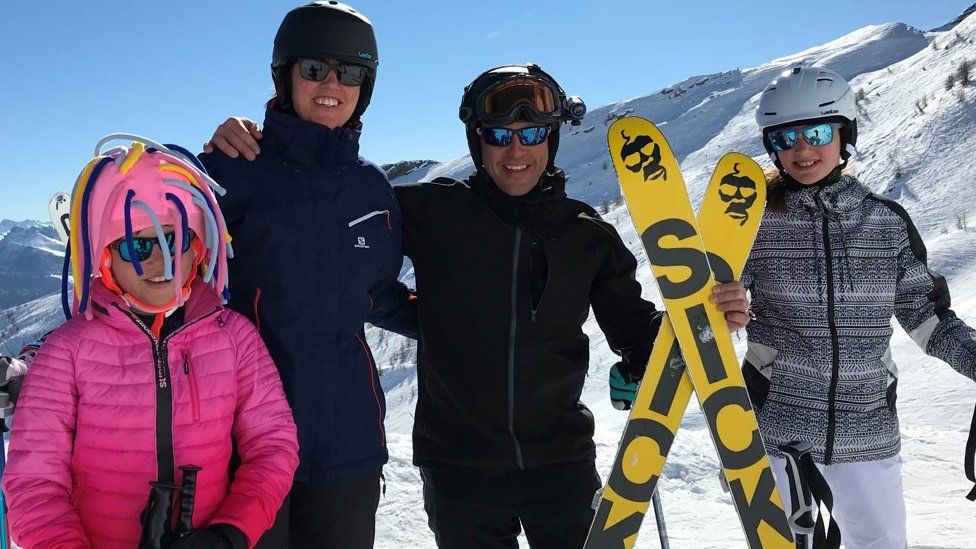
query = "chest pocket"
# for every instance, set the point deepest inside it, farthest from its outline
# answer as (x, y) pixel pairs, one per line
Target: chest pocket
(560, 290)
(364, 243)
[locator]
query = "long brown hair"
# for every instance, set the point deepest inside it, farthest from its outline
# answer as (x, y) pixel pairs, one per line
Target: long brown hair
(775, 190)
(776, 187)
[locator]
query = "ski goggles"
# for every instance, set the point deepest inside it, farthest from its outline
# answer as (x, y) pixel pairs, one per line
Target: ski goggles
(143, 246)
(816, 135)
(317, 70)
(502, 137)
(528, 98)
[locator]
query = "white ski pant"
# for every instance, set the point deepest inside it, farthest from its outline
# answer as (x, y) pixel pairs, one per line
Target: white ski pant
(869, 505)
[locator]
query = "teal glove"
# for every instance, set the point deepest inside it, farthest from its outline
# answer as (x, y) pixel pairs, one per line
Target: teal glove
(623, 388)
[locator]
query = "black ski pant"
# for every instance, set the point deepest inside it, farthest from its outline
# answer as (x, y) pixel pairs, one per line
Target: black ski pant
(553, 504)
(339, 515)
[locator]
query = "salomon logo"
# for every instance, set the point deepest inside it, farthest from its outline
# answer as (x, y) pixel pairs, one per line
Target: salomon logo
(365, 55)
(361, 242)
(832, 111)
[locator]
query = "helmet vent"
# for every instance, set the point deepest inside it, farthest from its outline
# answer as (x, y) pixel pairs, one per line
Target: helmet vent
(827, 103)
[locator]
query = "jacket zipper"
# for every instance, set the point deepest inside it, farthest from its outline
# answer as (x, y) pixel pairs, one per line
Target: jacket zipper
(194, 395)
(835, 347)
(376, 396)
(538, 304)
(165, 459)
(360, 219)
(511, 351)
(257, 314)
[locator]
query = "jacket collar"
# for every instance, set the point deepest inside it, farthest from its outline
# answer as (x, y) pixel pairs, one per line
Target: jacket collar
(838, 195)
(540, 210)
(550, 188)
(308, 143)
(113, 310)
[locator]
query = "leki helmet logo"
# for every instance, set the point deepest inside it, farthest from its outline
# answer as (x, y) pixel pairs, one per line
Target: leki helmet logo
(365, 55)
(645, 156)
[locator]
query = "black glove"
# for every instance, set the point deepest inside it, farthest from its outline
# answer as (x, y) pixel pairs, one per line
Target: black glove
(218, 536)
(625, 377)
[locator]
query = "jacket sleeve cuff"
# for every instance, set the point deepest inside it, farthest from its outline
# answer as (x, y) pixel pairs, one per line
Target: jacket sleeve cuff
(232, 535)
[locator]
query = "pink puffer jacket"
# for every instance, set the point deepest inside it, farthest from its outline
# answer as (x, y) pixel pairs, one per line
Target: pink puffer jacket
(99, 418)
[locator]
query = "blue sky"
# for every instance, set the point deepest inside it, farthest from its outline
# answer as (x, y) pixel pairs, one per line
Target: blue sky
(74, 71)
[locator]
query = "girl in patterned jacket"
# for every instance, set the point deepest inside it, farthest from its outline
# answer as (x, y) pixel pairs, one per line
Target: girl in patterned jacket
(131, 410)
(831, 265)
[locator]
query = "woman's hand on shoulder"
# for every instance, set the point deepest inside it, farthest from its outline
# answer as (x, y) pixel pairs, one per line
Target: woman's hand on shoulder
(237, 135)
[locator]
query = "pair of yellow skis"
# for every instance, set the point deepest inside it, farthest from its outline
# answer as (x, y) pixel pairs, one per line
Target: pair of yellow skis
(687, 258)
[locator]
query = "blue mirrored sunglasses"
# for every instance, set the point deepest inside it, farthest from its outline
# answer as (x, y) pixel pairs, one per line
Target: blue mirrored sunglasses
(501, 137)
(816, 135)
(144, 246)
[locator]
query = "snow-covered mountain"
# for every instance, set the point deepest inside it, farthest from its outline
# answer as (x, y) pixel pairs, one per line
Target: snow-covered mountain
(918, 142)
(30, 261)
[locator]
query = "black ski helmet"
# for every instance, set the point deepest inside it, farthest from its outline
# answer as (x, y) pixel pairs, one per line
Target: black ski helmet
(569, 109)
(325, 30)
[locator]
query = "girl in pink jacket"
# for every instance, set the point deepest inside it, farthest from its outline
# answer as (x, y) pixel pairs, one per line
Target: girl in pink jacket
(131, 411)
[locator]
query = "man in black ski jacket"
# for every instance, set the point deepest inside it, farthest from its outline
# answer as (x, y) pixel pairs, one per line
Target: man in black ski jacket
(507, 268)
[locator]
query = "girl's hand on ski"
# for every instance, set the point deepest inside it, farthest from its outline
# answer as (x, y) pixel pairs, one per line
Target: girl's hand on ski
(237, 135)
(731, 299)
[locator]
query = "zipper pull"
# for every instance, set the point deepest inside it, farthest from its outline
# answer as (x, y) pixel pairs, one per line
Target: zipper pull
(186, 362)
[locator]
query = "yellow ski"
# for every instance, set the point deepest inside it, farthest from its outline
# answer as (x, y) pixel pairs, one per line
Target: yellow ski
(676, 246)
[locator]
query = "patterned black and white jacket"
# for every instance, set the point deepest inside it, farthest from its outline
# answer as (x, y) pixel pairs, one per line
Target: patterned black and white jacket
(826, 276)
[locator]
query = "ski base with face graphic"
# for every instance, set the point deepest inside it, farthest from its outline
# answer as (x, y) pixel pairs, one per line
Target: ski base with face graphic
(676, 247)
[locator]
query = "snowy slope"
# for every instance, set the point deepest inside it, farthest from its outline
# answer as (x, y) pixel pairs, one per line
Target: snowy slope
(25, 323)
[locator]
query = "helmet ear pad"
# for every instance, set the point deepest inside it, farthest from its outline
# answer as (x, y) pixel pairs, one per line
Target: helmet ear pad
(282, 81)
(365, 94)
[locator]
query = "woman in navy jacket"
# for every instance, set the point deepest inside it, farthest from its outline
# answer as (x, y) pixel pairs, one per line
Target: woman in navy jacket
(317, 253)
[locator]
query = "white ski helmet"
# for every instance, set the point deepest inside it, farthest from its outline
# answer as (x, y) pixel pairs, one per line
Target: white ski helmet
(803, 95)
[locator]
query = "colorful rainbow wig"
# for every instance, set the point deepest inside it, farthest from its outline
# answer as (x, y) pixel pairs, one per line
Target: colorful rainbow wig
(127, 189)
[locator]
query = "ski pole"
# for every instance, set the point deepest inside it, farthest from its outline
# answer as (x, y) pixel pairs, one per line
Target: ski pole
(157, 516)
(188, 493)
(662, 530)
(801, 518)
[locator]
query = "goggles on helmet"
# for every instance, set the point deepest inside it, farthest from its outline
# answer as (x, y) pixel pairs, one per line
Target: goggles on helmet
(528, 98)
